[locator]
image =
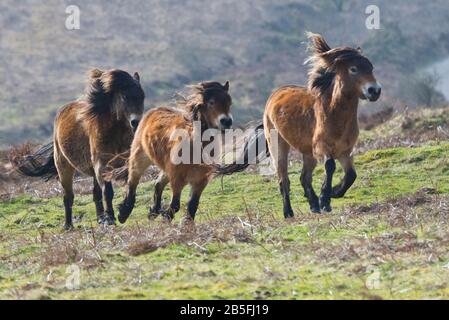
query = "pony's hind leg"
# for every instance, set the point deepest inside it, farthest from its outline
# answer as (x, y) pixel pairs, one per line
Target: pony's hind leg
(138, 163)
(195, 195)
(161, 183)
(306, 182)
(66, 173)
(340, 190)
(279, 156)
(176, 186)
(326, 190)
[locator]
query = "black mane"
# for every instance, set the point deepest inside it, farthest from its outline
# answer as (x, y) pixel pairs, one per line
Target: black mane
(103, 87)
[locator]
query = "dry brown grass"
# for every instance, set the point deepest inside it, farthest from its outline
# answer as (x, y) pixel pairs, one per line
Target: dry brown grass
(404, 128)
(87, 246)
(370, 121)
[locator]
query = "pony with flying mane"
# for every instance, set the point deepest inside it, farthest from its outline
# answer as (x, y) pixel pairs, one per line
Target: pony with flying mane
(319, 120)
(88, 133)
(209, 105)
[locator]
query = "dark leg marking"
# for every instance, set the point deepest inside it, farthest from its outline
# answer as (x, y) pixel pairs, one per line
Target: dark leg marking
(157, 197)
(98, 200)
(192, 206)
(108, 194)
(340, 190)
(127, 206)
(175, 205)
(68, 204)
(309, 193)
(284, 187)
(326, 190)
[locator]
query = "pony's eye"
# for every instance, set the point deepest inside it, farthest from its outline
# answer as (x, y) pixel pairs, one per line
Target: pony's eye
(353, 70)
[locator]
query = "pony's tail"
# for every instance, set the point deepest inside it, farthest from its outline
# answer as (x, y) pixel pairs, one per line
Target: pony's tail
(117, 168)
(255, 149)
(38, 164)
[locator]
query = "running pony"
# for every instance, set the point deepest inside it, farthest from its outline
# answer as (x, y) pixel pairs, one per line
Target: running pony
(88, 133)
(154, 143)
(319, 120)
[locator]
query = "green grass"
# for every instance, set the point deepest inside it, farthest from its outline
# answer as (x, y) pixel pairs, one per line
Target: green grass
(242, 247)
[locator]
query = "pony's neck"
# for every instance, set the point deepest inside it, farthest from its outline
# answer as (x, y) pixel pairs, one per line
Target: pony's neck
(111, 123)
(339, 97)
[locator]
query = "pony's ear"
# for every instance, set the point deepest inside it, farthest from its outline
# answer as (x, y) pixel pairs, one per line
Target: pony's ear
(95, 73)
(137, 77)
(226, 86)
(318, 44)
(360, 50)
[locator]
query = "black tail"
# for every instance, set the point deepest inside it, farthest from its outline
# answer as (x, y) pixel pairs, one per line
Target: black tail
(38, 164)
(255, 150)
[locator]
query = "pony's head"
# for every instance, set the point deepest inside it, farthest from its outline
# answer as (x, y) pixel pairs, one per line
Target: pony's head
(211, 104)
(347, 66)
(115, 92)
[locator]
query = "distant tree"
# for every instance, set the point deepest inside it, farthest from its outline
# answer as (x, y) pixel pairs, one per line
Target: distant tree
(422, 90)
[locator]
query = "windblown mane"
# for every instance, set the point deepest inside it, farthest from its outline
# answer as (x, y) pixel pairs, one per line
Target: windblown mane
(191, 103)
(102, 88)
(323, 63)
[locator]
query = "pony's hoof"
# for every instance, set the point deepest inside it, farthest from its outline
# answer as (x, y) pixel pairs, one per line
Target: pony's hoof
(68, 227)
(106, 221)
(288, 214)
(326, 207)
(315, 209)
(153, 214)
(337, 194)
(122, 217)
(187, 223)
(168, 215)
(124, 212)
(325, 204)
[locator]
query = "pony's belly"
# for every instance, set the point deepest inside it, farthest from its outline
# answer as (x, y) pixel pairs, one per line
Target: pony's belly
(301, 140)
(77, 153)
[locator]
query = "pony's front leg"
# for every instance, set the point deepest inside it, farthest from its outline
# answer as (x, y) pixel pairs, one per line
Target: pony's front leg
(326, 190)
(108, 217)
(306, 182)
(138, 163)
(126, 207)
(97, 193)
(340, 190)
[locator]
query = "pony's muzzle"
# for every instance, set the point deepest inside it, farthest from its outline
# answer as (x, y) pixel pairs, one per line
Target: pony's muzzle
(372, 91)
(226, 122)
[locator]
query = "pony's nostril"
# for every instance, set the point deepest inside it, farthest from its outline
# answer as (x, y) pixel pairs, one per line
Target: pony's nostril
(226, 122)
(371, 90)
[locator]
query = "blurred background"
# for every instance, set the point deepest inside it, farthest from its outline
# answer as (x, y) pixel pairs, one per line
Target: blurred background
(256, 44)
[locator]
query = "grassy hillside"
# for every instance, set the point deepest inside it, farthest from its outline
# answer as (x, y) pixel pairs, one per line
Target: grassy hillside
(387, 239)
(173, 43)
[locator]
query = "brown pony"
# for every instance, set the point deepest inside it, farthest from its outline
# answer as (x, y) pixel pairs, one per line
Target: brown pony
(320, 121)
(154, 143)
(88, 133)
